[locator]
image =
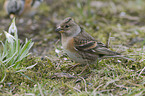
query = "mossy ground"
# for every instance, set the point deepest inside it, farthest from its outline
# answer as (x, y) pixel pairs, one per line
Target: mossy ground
(122, 19)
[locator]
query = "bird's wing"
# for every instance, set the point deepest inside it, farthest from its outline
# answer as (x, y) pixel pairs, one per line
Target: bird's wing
(86, 43)
(36, 3)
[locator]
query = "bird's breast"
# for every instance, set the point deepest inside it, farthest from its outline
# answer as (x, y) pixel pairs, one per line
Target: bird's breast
(68, 44)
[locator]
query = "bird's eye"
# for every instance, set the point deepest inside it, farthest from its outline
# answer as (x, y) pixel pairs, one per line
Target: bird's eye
(66, 26)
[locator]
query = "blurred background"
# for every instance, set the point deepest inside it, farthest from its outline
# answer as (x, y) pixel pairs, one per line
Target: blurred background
(121, 20)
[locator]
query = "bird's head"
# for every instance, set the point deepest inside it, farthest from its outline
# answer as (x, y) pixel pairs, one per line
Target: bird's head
(68, 27)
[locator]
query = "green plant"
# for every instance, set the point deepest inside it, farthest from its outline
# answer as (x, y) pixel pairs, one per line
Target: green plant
(12, 52)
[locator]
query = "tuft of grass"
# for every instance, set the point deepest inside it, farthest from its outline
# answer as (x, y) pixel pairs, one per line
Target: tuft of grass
(12, 52)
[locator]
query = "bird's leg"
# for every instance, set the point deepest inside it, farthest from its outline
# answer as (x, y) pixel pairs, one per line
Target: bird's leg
(73, 66)
(97, 62)
(84, 69)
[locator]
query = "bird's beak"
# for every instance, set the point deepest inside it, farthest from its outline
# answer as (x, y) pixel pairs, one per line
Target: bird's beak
(59, 29)
(12, 16)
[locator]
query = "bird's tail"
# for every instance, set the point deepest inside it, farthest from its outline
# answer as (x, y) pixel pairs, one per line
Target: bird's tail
(119, 56)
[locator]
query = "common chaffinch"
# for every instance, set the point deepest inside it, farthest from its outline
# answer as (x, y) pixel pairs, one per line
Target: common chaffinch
(21, 7)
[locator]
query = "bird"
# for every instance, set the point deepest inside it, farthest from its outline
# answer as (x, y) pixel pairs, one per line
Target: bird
(21, 7)
(80, 46)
